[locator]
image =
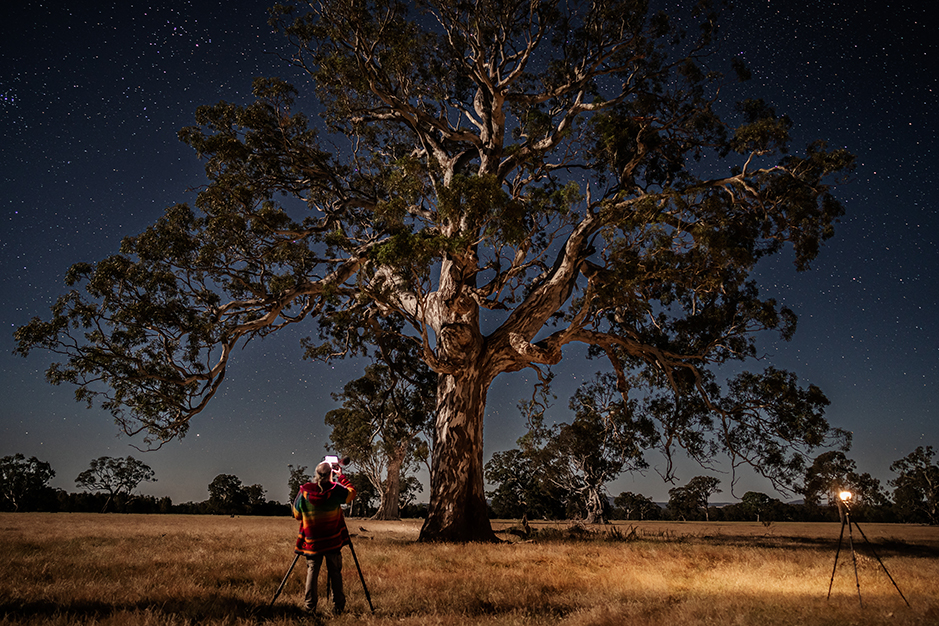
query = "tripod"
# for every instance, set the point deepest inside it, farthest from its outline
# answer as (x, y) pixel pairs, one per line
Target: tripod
(845, 510)
(354, 558)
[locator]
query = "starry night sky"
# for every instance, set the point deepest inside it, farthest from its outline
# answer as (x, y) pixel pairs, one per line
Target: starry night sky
(93, 93)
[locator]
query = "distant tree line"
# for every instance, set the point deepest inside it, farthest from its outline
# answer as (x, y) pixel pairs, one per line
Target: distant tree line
(110, 485)
(542, 487)
(541, 480)
(561, 471)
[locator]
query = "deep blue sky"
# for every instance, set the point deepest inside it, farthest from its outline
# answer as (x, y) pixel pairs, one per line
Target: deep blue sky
(91, 97)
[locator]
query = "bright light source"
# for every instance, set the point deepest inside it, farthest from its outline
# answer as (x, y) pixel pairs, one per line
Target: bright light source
(845, 496)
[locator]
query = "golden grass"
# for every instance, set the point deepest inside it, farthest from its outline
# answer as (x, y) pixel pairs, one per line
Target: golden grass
(67, 569)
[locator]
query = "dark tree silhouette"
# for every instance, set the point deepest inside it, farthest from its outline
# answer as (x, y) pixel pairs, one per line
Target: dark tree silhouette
(115, 477)
(23, 481)
(916, 487)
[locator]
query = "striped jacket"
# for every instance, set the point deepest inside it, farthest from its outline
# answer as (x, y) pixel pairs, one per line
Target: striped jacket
(322, 527)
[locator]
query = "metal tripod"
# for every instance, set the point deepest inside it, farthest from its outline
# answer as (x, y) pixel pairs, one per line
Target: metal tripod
(357, 567)
(846, 520)
(284, 581)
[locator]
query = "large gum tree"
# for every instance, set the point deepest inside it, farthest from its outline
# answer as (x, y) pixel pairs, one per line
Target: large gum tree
(498, 179)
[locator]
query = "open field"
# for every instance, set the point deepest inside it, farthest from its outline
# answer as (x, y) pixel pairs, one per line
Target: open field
(64, 569)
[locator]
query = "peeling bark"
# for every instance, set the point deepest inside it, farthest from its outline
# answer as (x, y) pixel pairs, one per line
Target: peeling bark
(596, 511)
(458, 510)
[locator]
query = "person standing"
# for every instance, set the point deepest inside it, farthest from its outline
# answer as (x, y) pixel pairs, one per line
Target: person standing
(323, 530)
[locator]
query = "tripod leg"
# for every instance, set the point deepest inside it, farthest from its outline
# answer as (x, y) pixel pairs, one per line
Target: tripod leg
(874, 552)
(361, 577)
(284, 581)
(837, 552)
(857, 581)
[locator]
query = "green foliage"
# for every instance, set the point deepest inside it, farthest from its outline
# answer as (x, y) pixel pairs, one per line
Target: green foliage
(916, 487)
(606, 437)
(366, 495)
(502, 180)
(635, 506)
(298, 478)
(691, 501)
(385, 422)
(522, 488)
(228, 495)
(831, 473)
(533, 480)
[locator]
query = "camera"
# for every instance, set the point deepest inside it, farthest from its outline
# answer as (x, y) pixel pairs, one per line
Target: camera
(337, 463)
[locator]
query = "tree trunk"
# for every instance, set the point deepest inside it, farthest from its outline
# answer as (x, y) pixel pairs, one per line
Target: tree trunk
(391, 489)
(596, 511)
(458, 510)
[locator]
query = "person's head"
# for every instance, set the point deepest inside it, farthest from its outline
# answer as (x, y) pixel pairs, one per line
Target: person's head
(324, 472)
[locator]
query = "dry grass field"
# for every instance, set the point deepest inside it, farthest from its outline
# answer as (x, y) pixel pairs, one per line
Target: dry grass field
(65, 569)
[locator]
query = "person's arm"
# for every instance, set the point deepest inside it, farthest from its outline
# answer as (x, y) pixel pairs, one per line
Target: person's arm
(295, 507)
(347, 484)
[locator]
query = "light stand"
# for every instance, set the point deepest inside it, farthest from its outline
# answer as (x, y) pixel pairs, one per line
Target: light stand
(844, 508)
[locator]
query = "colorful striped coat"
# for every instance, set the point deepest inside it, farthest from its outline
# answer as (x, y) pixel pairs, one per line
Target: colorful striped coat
(322, 527)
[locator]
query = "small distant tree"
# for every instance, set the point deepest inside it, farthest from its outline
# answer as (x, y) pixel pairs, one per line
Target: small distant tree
(682, 504)
(114, 477)
(385, 420)
(365, 495)
(532, 480)
(688, 501)
(916, 488)
(513, 483)
(636, 506)
(227, 495)
(606, 437)
(23, 481)
(410, 487)
(755, 505)
(831, 473)
(298, 478)
(520, 489)
(257, 503)
(703, 487)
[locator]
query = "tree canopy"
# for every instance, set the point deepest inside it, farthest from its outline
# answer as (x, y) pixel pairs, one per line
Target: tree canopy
(605, 438)
(917, 484)
(493, 181)
(114, 476)
(228, 495)
(687, 501)
(831, 473)
(385, 422)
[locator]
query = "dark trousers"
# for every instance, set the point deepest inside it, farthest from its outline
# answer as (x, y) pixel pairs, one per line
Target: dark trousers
(333, 573)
